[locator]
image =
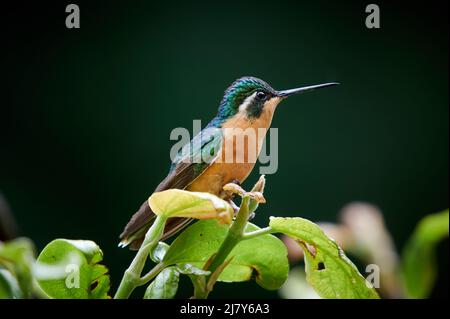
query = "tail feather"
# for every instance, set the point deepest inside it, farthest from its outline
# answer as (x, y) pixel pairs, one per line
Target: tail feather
(142, 218)
(134, 232)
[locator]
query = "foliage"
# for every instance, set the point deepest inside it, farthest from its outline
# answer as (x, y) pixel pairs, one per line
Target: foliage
(70, 269)
(328, 269)
(181, 203)
(216, 248)
(164, 286)
(201, 240)
(16, 261)
(419, 256)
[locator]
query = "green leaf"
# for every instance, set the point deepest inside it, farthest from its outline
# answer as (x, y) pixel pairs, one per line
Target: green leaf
(70, 269)
(9, 286)
(419, 255)
(265, 255)
(328, 270)
(157, 254)
(18, 257)
(164, 286)
(181, 203)
(188, 269)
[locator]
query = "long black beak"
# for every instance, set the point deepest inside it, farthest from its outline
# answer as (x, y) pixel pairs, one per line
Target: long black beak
(287, 93)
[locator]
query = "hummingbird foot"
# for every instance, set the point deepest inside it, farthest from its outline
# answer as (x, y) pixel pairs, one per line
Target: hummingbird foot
(234, 206)
(229, 195)
(236, 181)
(236, 209)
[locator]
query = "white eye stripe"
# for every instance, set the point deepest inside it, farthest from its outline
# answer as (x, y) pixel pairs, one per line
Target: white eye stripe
(248, 101)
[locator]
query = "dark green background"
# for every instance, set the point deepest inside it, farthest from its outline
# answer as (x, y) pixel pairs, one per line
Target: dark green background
(87, 113)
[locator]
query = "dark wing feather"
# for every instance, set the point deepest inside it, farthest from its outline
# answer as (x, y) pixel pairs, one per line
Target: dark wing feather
(190, 163)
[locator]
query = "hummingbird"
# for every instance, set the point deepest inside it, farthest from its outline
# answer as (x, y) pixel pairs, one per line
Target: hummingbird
(248, 103)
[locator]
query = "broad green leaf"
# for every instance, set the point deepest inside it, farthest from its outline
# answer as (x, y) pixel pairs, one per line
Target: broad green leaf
(265, 255)
(181, 203)
(164, 286)
(18, 257)
(69, 269)
(159, 252)
(419, 255)
(101, 287)
(328, 270)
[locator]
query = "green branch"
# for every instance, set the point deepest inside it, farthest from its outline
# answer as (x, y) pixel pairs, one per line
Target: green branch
(234, 236)
(132, 276)
(256, 233)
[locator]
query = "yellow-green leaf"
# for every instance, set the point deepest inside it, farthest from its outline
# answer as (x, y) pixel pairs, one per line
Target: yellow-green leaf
(181, 203)
(328, 270)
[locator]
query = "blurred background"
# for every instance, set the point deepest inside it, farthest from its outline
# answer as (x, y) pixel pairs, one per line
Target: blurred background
(86, 113)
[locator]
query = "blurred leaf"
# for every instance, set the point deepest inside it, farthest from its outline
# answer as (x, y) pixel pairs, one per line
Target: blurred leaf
(17, 256)
(70, 269)
(328, 270)
(9, 286)
(266, 254)
(363, 233)
(157, 254)
(164, 286)
(181, 203)
(419, 256)
(296, 286)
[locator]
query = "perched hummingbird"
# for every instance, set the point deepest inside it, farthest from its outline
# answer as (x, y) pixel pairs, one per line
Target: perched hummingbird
(249, 103)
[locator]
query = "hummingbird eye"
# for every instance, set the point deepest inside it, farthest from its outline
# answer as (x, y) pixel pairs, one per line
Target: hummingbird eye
(261, 95)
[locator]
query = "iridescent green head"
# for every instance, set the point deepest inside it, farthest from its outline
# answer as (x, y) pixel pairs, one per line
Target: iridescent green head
(245, 94)
(249, 95)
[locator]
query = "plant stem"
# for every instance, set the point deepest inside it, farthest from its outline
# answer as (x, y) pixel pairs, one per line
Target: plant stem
(256, 233)
(132, 276)
(199, 284)
(234, 236)
(151, 274)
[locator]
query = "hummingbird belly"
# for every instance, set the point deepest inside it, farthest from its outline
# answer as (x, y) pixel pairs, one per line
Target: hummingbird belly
(241, 145)
(220, 174)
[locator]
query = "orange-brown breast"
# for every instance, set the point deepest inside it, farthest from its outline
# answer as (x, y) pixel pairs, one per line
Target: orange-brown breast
(244, 155)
